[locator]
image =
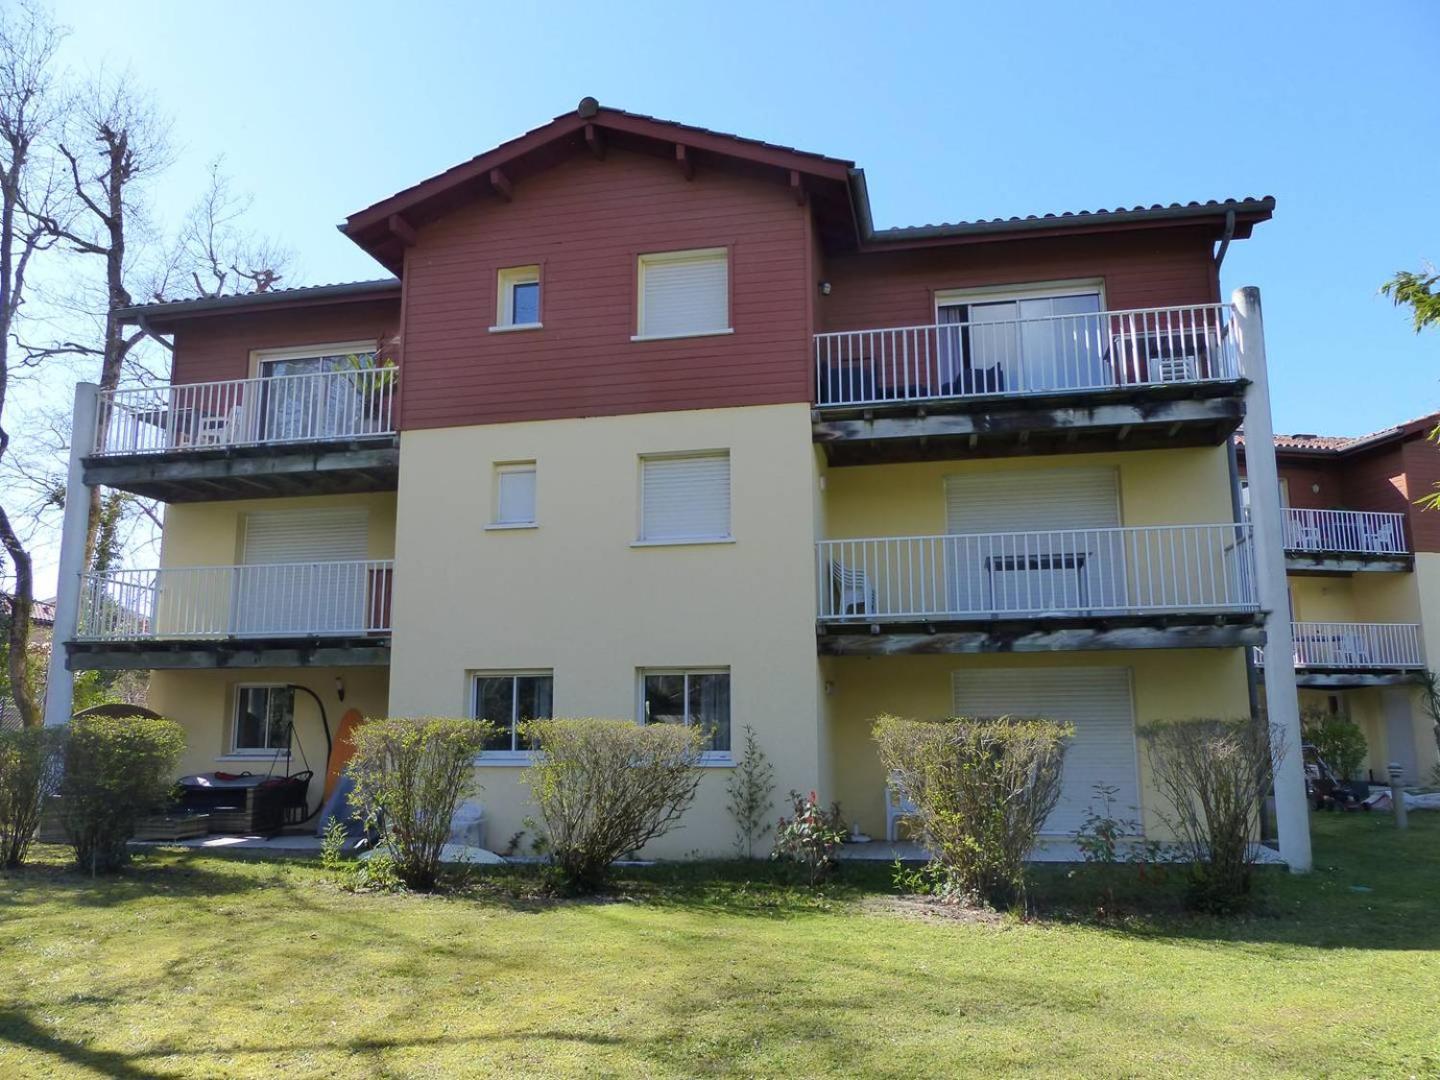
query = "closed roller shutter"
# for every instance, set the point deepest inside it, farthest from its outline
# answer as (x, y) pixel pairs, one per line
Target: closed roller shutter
(1097, 701)
(685, 294)
(278, 593)
(1064, 569)
(685, 498)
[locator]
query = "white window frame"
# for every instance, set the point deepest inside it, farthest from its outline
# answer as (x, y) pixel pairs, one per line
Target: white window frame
(235, 749)
(654, 258)
(511, 756)
(1035, 290)
(505, 281)
(728, 537)
(709, 757)
(501, 469)
(260, 357)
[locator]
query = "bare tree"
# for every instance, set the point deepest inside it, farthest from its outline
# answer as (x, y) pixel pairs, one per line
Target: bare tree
(214, 255)
(28, 211)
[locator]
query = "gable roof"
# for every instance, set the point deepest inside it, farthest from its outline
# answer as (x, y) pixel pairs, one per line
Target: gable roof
(1338, 446)
(835, 188)
(162, 315)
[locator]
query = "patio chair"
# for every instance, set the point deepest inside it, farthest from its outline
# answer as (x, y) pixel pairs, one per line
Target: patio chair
(856, 594)
(1351, 651)
(898, 807)
(1382, 538)
(220, 429)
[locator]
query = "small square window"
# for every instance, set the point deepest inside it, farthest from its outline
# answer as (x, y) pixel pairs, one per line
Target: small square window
(509, 699)
(700, 697)
(518, 302)
(515, 493)
(263, 715)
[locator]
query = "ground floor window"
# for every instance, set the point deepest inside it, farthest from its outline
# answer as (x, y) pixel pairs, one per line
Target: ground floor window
(507, 700)
(263, 715)
(696, 696)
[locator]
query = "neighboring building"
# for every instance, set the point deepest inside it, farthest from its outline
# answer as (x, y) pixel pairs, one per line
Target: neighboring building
(1364, 569)
(652, 422)
(42, 621)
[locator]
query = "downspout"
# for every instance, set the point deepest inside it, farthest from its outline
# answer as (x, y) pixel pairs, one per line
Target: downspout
(1225, 238)
(1237, 511)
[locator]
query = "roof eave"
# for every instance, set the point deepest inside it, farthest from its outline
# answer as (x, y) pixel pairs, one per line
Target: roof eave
(159, 314)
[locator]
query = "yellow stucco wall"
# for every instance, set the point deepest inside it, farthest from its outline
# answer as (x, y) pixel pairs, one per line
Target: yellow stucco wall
(1167, 684)
(203, 702)
(1157, 487)
(575, 596)
(212, 533)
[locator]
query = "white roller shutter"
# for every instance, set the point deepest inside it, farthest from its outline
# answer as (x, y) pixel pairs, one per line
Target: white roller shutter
(1066, 569)
(1028, 501)
(304, 573)
(285, 536)
(684, 293)
(1097, 701)
(685, 497)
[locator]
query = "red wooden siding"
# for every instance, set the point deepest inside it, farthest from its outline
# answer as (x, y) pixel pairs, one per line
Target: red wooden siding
(1153, 268)
(219, 346)
(585, 222)
(1302, 480)
(1422, 473)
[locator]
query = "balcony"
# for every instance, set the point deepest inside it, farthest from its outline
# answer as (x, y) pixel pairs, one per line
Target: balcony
(325, 432)
(1101, 380)
(1181, 586)
(280, 614)
(1345, 541)
(1355, 654)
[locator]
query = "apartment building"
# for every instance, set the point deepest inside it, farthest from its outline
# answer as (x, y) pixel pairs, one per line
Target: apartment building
(1363, 566)
(651, 421)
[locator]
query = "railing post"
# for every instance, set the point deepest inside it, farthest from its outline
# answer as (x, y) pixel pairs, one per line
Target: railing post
(1292, 811)
(60, 682)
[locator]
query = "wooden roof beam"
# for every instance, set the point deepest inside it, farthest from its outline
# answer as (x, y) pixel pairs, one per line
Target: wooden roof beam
(501, 184)
(401, 230)
(797, 186)
(595, 140)
(685, 161)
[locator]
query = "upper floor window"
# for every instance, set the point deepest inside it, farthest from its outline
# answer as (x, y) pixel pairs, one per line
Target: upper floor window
(518, 298)
(685, 497)
(684, 293)
(515, 494)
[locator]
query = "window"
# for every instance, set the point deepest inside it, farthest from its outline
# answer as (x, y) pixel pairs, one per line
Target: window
(689, 697)
(263, 715)
(685, 497)
(518, 300)
(1027, 338)
(515, 494)
(507, 700)
(684, 293)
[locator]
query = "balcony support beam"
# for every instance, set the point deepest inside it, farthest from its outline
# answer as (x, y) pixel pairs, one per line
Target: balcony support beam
(60, 683)
(1292, 810)
(1011, 637)
(214, 655)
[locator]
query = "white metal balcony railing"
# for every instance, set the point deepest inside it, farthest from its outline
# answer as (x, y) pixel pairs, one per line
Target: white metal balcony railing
(271, 600)
(1355, 645)
(322, 406)
(1086, 352)
(1180, 568)
(1359, 531)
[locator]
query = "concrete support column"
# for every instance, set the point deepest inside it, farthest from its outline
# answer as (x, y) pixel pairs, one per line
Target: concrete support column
(1292, 811)
(60, 687)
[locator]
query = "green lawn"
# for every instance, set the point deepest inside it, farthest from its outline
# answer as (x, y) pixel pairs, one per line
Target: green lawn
(210, 966)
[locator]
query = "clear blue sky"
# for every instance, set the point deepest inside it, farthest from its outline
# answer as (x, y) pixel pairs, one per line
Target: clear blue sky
(955, 111)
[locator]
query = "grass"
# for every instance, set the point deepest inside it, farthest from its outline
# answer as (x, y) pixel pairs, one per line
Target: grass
(194, 965)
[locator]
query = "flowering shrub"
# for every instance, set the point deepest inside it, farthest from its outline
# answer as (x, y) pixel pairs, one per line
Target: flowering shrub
(811, 837)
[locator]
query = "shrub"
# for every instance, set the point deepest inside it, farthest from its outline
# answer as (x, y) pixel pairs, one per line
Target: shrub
(410, 774)
(29, 774)
(117, 769)
(982, 789)
(605, 788)
(1214, 774)
(811, 837)
(1337, 739)
(750, 787)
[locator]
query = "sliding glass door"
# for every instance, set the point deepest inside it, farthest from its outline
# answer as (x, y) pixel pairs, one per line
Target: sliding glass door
(1025, 344)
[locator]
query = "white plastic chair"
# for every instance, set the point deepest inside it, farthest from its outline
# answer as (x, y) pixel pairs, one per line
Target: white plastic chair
(897, 807)
(218, 430)
(1382, 538)
(1352, 651)
(857, 596)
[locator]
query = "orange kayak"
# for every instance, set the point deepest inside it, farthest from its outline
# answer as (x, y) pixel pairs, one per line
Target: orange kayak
(344, 749)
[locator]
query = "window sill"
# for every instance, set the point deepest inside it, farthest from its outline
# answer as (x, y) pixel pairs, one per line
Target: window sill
(504, 759)
(688, 541)
(510, 526)
(517, 328)
(252, 756)
(679, 337)
(717, 760)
